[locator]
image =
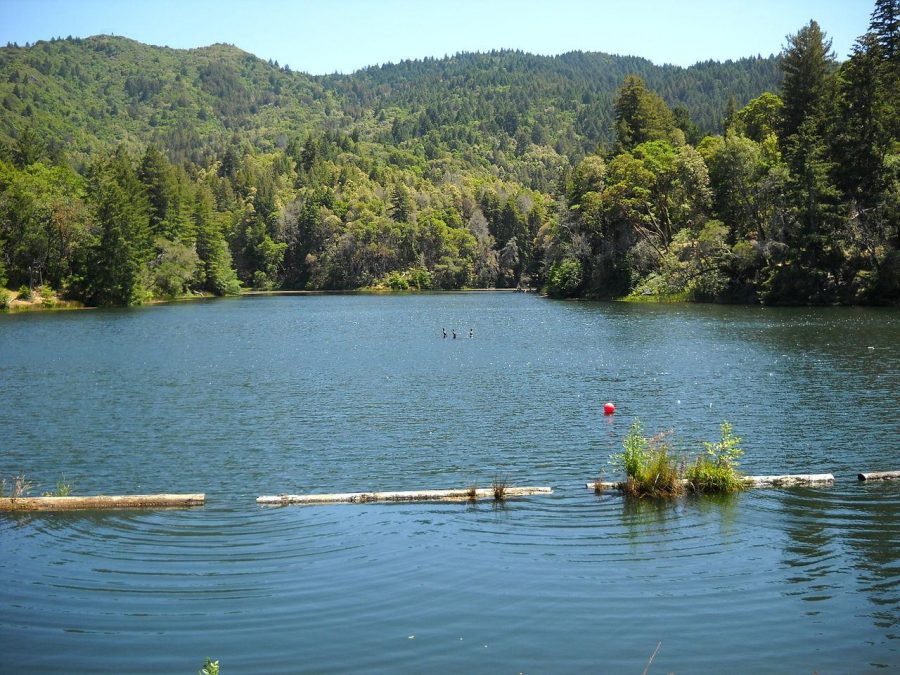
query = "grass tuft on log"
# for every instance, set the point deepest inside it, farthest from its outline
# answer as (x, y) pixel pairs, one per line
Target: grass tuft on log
(652, 469)
(714, 471)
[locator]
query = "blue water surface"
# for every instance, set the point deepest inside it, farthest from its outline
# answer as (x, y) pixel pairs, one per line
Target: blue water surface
(268, 395)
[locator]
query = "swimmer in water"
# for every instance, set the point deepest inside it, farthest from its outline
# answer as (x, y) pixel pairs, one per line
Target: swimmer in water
(454, 333)
(444, 331)
(471, 332)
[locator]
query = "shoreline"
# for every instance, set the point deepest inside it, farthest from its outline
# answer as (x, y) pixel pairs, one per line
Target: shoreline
(16, 305)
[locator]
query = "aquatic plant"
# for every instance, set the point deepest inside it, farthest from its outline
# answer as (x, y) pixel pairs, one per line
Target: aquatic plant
(20, 487)
(650, 468)
(471, 492)
(499, 486)
(209, 668)
(63, 489)
(714, 471)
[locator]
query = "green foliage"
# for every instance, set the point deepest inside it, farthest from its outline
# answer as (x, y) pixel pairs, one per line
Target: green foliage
(806, 63)
(636, 448)
(5, 298)
(641, 115)
(63, 489)
(714, 471)
(415, 278)
(172, 269)
(649, 466)
(474, 170)
(565, 278)
(651, 469)
(210, 667)
(760, 118)
(122, 246)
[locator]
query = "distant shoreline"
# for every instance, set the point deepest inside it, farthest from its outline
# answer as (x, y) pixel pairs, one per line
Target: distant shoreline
(16, 305)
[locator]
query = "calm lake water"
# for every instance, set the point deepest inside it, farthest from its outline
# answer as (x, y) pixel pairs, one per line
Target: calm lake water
(245, 397)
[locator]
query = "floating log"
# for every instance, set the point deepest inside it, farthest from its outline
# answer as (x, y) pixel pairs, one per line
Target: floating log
(787, 480)
(460, 495)
(880, 475)
(101, 502)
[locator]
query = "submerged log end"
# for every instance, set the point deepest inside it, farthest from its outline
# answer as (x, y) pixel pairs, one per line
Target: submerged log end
(879, 475)
(603, 485)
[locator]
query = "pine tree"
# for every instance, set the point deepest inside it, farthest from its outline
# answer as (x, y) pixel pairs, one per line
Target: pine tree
(806, 63)
(218, 275)
(862, 140)
(124, 243)
(641, 115)
(885, 24)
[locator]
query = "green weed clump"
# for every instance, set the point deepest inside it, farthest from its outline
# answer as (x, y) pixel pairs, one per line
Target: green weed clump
(714, 471)
(209, 668)
(63, 489)
(651, 469)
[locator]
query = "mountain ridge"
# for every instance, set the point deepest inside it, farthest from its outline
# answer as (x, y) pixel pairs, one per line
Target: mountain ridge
(91, 93)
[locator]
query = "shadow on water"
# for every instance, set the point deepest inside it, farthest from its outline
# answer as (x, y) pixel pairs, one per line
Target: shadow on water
(842, 542)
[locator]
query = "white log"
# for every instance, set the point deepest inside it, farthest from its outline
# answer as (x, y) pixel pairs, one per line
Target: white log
(458, 495)
(880, 475)
(787, 480)
(101, 502)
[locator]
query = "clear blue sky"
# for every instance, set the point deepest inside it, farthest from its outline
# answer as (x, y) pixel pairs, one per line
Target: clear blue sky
(344, 35)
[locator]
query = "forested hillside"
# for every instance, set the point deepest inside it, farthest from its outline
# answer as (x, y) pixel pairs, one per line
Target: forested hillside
(129, 172)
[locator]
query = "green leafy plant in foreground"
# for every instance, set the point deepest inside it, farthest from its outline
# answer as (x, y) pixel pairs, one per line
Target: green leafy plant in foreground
(714, 471)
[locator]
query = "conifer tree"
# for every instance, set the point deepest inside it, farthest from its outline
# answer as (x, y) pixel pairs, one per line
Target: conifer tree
(123, 246)
(806, 63)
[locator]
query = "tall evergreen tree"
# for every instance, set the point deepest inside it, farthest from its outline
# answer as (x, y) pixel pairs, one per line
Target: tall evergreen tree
(861, 139)
(885, 24)
(806, 63)
(123, 247)
(641, 115)
(218, 274)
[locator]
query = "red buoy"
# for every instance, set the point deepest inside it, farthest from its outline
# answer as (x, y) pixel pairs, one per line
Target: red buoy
(609, 409)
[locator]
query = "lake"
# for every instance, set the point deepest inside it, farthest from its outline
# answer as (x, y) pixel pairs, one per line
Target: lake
(288, 394)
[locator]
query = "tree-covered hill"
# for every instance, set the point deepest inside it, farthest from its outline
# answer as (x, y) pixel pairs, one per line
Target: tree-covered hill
(565, 102)
(129, 172)
(94, 93)
(89, 94)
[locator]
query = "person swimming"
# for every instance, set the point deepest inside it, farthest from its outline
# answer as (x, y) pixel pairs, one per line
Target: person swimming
(471, 332)
(454, 333)
(444, 331)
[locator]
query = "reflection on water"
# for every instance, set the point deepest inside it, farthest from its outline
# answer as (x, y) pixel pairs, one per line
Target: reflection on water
(245, 397)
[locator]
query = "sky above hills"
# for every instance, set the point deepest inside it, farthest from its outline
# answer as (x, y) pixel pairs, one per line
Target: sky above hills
(344, 35)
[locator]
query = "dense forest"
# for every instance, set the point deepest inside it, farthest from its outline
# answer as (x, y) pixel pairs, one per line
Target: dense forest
(130, 172)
